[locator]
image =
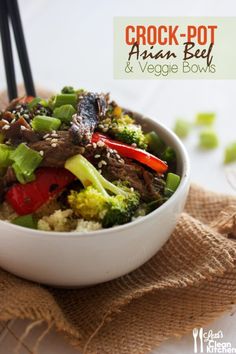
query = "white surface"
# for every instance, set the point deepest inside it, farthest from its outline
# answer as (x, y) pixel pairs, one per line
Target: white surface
(71, 42)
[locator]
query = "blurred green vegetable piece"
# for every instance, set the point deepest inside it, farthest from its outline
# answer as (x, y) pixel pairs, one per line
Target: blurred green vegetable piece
(44, 123)
(65, 98)
(172, 183)
(205, 118)
(155, 143)
(230, 153)
(34, 103)
(64, 113)
(5, 155)
(68, 89)
(182, 128)
(25, 221)
(168, 155)
(25, 161)
(208, 139)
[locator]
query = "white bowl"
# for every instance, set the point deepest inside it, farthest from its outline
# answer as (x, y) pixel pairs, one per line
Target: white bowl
(82, 259)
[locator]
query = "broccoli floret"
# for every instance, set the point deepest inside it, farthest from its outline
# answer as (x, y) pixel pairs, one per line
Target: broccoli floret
(90, 204)
(120, 209)
(131, 134)
(111, 204)
(122, 127)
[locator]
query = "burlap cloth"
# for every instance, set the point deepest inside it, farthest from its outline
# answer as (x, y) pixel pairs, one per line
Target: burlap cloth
(187, 284)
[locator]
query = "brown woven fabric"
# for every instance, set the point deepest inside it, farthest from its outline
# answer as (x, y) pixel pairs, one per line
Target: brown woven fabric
(188, 283)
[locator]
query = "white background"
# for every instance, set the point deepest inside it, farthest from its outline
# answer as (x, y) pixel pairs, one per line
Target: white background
(71, 42)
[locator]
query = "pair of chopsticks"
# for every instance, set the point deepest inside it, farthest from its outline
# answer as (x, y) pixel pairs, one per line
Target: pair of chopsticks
(9, 12)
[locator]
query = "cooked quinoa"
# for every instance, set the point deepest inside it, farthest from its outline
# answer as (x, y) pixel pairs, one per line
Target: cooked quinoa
(62, 220)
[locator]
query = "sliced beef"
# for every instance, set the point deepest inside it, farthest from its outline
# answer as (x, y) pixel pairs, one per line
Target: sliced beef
(90, 108)
(6, 181)
(18, 132)
(148, 184)
(56, 148)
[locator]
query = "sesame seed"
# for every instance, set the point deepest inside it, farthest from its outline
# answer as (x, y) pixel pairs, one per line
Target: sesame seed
(48, 139)
(14, 112)
(13, 120)
(121, 161)
(103, 162)
(54, 145)
(132, 189)
(5, 121)
(97, 156)
(94, 145)
(22, 127)
(134, 145)
(26, 116)
(100, 171)
(54, 140)
(41, 152)
(54, 132)
(100, 164)
(6, 127)
(100, 143)
(54, 135)
(108, 155)
(45, 136)
(118, 156)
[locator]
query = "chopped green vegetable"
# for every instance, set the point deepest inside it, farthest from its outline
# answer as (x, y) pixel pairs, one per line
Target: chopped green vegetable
(94, 202)
(68, 89)
(230, 153)
(155, 143)
(26, 161)
(182, 128)
(64, 113)
(25, 221)
(5, 155)
(205, 118)
(34, 103)
(169, 155)
(208, 139)
(44, 123)
(65, 98)
(172, 183)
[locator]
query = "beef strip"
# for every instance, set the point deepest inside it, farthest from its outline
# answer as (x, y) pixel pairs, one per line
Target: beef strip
(56, 155)
(147, 183)
(20, 131)
(6, 181)
(90, 108)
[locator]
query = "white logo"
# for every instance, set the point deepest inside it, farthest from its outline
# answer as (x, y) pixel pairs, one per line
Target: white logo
(211, 342)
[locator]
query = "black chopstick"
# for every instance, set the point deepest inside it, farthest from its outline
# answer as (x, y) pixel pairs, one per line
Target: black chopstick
(14, 14)
(7, 51)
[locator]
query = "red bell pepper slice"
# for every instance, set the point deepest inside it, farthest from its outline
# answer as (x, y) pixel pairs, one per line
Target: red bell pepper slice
(27, 198)
(26, 99)
(139, 155)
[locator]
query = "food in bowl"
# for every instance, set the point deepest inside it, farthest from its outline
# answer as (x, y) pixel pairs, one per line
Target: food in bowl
(79, 162)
